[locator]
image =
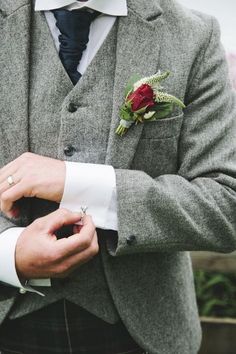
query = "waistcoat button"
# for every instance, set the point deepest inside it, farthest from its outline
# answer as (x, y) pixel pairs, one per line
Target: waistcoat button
(130, 240)
(69, 150)
(72, 107)
(3, 13)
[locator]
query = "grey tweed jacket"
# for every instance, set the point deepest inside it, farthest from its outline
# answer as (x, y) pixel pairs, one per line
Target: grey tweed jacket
(176, 186)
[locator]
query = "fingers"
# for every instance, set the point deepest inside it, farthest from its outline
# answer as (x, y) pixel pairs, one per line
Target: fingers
(31, 175)
(40, 254)
(9, 193)
(4, 176)
(79, 241)
(66, 254)
(12, 194)
(72, 262)
(57, 219)
(13, 166)
(5, 185)
(8, 170)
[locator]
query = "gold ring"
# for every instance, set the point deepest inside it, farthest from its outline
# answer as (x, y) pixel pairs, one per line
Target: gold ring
(10, 180)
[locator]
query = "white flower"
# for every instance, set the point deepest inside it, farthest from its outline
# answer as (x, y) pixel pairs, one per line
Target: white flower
(153, 81)
(149, 115)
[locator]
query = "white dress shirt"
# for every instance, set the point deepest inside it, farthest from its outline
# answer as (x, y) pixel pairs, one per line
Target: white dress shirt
(89, 185)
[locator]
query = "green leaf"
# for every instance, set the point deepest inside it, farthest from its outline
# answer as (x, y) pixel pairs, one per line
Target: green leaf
(130, 85)
(125, 113)
(208, 307)
(216, 293)
(216, 280)
(128, 104)
(163, 111)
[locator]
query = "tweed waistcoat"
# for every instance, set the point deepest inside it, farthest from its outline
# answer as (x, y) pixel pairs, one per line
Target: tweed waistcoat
(51, 93)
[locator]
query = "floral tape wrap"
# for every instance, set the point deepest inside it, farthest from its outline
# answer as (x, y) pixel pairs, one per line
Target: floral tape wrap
(125, 123)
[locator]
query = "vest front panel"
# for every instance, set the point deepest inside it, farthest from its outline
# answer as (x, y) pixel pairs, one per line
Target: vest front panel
(52, 127)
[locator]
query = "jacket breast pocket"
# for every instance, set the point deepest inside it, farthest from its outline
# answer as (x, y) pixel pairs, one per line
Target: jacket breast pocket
(157, 151)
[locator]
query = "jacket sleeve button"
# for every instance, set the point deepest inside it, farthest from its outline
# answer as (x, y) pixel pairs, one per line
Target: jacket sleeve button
(69, 150)
(72, 107)
(130, 240)
(3, 13)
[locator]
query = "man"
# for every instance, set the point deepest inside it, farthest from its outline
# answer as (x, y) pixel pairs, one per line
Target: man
(167, 186)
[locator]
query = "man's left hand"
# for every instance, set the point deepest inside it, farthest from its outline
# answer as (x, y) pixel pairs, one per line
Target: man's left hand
(31, 175)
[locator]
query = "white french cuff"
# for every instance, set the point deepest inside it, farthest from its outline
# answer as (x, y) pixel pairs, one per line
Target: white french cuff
(8, 274)
(92, 186)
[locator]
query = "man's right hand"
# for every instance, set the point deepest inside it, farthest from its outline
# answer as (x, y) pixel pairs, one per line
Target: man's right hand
(39, 254)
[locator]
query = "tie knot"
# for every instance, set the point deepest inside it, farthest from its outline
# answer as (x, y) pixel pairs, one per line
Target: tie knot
(74, 27)
(71, 23)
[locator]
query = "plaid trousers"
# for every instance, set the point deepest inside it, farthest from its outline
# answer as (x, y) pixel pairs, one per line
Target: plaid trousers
(64, 328)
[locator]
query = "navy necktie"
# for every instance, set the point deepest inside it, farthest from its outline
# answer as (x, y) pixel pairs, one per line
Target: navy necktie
(74, 27)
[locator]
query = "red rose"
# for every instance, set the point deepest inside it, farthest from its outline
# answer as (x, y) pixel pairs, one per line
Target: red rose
(142, 97)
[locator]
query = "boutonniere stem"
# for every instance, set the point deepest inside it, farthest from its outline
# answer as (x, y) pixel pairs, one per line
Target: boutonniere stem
(145, 101)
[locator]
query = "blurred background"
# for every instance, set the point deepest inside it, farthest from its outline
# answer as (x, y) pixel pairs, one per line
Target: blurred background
(225, 12)
(215, 274)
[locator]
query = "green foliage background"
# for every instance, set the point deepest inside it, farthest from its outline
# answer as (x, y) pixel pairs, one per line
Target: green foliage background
(216, 293)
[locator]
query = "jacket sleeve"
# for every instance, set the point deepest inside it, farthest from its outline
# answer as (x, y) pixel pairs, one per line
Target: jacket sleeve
(5, 223)
(194, 209)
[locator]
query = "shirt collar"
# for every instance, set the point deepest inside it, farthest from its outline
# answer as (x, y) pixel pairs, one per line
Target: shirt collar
(113, 8)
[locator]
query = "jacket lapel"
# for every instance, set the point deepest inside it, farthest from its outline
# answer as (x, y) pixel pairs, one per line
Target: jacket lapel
(14, 55)
(138, 45)
(10, 6)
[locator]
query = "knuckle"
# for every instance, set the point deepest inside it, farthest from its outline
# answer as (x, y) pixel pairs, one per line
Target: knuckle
(63, 212)
(89, 230)
(31, 193)
(92, 229)
(89, 218)
(47, 258)
(4, 197)
(38, 223)
(87, 242)
(63, 219)
(94, 249)
(90, 221)
(59, 255)
(50, 257)
(53, 256)
(26, 155)
(62, 269)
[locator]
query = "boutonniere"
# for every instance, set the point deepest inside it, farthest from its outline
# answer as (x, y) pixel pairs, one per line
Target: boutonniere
(145, 101)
